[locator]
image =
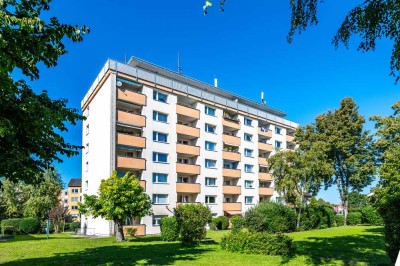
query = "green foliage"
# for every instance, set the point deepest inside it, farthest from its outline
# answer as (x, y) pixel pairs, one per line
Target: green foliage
(169, 229)
(118, 199)
(12, 198)
(237, 223)
(271, 217)
(192, 220)
(317, 217)
(11, 223)
(74, 226)
(371, 216)
(8, 230)
(339, 220)
(258, 243)
(43, 226)
(357, 201)
(131, 231)
(220, 223)
(354, 218)
(29, 226)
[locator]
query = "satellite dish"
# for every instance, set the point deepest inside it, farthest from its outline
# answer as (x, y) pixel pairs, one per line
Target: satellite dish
(119, 83)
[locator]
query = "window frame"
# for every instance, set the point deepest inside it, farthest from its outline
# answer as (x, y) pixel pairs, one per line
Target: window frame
(246, 170)
(207, 183)
(156, 134)
(278, 130)
(210, 160)
(247, 134)
(207, 199)
(155, 153)
(249, 197)
(156, 96)
(156, 116)
(280, 144)
(207, 126)
(251, 154)
(156, 196)
(209, 142)
(246, 120)
(209, 108)
(155, 178)
(247, 182)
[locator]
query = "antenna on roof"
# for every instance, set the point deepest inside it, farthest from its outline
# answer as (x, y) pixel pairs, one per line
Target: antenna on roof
(263, 102)
(125, 57)
(179, 64)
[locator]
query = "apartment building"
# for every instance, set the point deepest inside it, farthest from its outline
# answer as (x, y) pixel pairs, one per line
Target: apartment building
(187, 141)
(74, 196)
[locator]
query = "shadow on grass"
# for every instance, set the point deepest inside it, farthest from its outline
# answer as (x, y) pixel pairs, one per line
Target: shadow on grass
(122, 254)
(19, 238)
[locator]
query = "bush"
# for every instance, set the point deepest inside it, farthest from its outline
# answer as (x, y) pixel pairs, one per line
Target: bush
(169, 229)
(192, 220)
(14, 223)
(339, 220)
(271, 217)
(258, 243)
(219, 223)
(370, 216)
(8, 230)
(44, 224)
(29, 226)
(354, 218)
(74, 226)
(237, 223)
(317, 217)
(131, 231)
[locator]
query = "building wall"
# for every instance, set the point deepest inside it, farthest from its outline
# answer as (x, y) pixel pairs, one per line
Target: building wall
(74, 196)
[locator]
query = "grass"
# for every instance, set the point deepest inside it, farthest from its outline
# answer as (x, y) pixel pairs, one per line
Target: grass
(352, 245)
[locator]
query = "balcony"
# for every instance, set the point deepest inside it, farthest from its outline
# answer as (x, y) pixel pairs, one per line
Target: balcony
(131, 119)
(266, 133)
(232, 190)
(130, 140)
(265, 176)
(289, 138)
(131, 163)
(265, 191)
(226, 122)
(188, 131)
(191, 188)
(232, 206)
(189, 169)
(188, 149)
(131, 96)
(232, 156)
(143, 184)
(231, 140)
(265, 146)
(141, 229)
(262, 161)
(234, 173)
(188, 111)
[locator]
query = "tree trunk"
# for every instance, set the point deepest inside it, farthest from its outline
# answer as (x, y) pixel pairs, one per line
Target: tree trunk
(56, 227)
(345, 208)
(119, 234)
(299, 214)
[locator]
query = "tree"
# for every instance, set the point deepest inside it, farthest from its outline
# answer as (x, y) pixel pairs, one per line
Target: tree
(348, 148)
(370, 20)
(12, 198)
(118, 199)
(297, 174)
(58, 214)
(30, 124)
(357, 201)
(387, 194)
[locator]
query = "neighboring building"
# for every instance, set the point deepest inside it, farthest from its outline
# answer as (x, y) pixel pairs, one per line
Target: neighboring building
(339, 209)
(64, 198)
(186, 140)
(74, 196)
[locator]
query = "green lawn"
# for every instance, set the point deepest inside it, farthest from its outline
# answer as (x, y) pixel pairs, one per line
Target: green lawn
(353, 245)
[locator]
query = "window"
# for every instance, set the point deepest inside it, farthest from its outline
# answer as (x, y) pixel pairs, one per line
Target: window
(157, 219)
(160, 137)
(160, 178)
(75, 190)
(183, 179)
(160, 157)
(161, 97)
(277, 130)
(228, 166)
(248, 184)
(278, 144)
(87, 166)
(209, 111)
(182, 160)
(210, 200)
(160, 199)
(211, 181)
(248, 153)
(66, 193)
(86, 185)
(210, 128)
(160, 117)
(211, 163)
(74, 207)
(248, 168)
(248, 137)
(248, 200)
(74, 199)
(247, 121)
(87, 129)
(210, 146)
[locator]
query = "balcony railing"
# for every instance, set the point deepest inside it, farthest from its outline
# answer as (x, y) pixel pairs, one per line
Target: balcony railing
(187, 111)
(231, 140)
(265, 146)
(188, 130)
(131, 96)
(187, 149)
(265, 133)
(265, 176)
(130, 140)
(131, 118)
(231, 190)
(232, 156)
(232, 206)
(191, 188)
(262, 161)
(190, 169)
(227, 122)
(289, 138)
(265, 191)
(141, 229)
(131, 163)
(234, 173)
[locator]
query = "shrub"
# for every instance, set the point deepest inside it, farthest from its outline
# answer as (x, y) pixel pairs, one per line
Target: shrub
(8, 230)
(271, 217)
(131, 231)
(213, 224)
(44, 224)
(74, 226)
(371, 216)
(354, 218)
(317, 217)
(237, 223)
(192, 220)
(29, 226)
(169, 229)
(258, 243)
(219, 223)
(339, 220)
(14, 223)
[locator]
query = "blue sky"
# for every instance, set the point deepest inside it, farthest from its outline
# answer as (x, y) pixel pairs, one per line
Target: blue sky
(245, 48)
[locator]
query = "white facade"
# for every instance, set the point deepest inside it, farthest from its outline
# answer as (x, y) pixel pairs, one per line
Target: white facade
(119, 129)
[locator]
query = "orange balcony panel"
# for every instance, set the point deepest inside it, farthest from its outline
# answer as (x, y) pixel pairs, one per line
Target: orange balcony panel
(131, 163)
(190, 169)
(188, 188)
(232, 190)
(131, 96)
(188, 131)
(262, 161)
(143, 184)
(233, 156)
(289, 138)
(265, 176)
(131, 119)
(234, 173)
(265, 146)
(265, 191)
(230, 124)
(129, 140)
(266, 133)
(141, 229)
(232, 206)
(188, 149)
(231, 140)
(187, 111)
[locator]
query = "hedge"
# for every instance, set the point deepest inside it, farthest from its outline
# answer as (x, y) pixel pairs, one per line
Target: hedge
(220, 223)
(74, 226)
(317, 217)
(339, 220)
(169, 229)
(29, 225)
(237, 223)
(11, 224)
(354, 218)
(371, 216)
